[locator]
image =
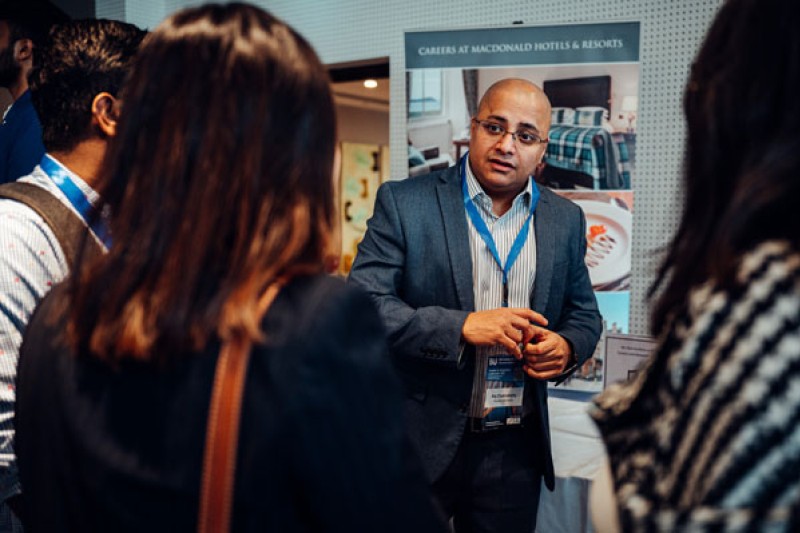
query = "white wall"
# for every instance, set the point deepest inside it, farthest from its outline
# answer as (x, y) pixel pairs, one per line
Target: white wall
(357, 125)
(350, 30)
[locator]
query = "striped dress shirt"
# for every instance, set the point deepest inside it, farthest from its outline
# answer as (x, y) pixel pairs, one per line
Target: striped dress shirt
(487, 276)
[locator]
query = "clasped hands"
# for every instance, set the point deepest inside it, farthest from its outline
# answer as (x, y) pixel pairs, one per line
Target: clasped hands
(520, 331)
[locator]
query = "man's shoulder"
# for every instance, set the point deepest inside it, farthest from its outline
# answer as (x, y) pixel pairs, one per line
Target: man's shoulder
(20, 140)
(22, 116)
(22, 222)
(424, 182)
(39, 179)
(557, 201)
(32, 258)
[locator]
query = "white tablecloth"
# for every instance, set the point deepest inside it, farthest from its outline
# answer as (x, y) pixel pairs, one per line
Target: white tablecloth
(577, 456)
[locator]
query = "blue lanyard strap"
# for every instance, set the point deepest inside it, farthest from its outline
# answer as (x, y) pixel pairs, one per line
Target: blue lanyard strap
(486, 235)
(59, 175)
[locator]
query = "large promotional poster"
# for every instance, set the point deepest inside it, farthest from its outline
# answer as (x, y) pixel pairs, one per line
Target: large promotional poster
(590, 73)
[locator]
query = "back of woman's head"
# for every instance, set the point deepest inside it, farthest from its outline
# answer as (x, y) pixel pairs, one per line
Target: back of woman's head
(219, 182)
(742, 174)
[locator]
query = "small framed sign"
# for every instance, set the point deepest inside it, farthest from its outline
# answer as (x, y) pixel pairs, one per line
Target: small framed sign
(625, 355)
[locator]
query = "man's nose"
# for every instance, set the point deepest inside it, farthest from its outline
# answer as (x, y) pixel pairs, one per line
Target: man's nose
(506, 143)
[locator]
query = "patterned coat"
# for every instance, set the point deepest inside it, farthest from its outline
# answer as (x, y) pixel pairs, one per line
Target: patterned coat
(707, 437)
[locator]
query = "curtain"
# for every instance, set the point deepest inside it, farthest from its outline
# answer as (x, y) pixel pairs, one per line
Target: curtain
(471, 90)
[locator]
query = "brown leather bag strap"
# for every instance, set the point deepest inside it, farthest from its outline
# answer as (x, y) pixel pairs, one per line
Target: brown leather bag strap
(222, 433)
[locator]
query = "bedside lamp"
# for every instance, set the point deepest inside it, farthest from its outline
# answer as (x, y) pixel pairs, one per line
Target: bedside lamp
(630, 104)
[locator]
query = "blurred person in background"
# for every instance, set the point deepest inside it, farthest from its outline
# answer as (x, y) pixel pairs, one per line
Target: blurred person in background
(213, 207)
(45, 215)
(707, 436)
(23, 27)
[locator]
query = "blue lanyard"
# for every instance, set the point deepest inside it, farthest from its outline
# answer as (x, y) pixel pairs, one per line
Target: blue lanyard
(76, 197)
(486, 235)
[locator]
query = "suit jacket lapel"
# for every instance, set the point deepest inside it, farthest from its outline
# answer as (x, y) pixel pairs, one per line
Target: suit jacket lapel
(456, 232)
(543, 219)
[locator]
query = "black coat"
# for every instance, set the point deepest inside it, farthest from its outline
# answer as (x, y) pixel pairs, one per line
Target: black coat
(322, 447)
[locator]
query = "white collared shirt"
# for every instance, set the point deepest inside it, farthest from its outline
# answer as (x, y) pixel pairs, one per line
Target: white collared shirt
(31, 262)
(487, 277)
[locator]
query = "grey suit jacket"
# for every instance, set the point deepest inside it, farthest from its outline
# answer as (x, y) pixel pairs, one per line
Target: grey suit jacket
(415, 262)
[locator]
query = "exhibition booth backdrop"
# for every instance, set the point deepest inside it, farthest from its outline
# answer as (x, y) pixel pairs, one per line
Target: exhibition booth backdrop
(590, 73)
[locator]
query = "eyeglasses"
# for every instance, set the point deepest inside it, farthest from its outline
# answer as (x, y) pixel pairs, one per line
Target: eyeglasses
(494, 129)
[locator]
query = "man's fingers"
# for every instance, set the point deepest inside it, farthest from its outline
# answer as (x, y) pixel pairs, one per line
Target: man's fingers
(529, 315)
(542, 366)
(506, 327)
(539, 318)
(540, 374)
(519, 322)
(543, 369)
(545, 366)
(514, 334)
(540, 348)
(534, 358)
(511, 347)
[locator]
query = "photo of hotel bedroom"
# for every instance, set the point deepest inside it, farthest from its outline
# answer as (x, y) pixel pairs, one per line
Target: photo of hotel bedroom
(593, 133)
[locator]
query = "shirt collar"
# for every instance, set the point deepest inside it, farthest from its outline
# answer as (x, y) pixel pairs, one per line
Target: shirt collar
(23, 100)
(90, 193)
(481, 198)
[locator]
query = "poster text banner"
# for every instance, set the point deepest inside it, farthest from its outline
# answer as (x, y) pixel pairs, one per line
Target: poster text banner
(524, 45)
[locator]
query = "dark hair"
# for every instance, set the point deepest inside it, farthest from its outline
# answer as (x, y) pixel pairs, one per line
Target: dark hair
(742, 175)
(219, 181)
(30, 19)
(81, 60)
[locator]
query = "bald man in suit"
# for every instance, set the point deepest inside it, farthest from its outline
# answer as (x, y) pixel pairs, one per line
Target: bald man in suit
(469, 262)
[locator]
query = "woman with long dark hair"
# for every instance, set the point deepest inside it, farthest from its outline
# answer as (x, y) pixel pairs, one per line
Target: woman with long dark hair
(707, 437)
(219, 185)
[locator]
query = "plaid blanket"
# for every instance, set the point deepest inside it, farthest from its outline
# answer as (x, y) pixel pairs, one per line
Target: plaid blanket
(593, 151)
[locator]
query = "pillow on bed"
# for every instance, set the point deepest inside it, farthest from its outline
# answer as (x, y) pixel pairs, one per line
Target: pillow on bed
(562, 115)
(590, 116)
(415, 157)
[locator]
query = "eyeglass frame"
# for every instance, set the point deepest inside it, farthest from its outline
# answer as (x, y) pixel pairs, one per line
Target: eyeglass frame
(503, 132)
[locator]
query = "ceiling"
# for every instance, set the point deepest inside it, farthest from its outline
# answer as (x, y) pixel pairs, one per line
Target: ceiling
(354, 94)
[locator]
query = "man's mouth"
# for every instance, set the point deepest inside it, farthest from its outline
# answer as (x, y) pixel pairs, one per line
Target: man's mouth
(501, 164)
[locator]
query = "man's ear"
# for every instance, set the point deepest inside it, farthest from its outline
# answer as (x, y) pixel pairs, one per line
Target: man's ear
(23, 50)
(105, 112)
